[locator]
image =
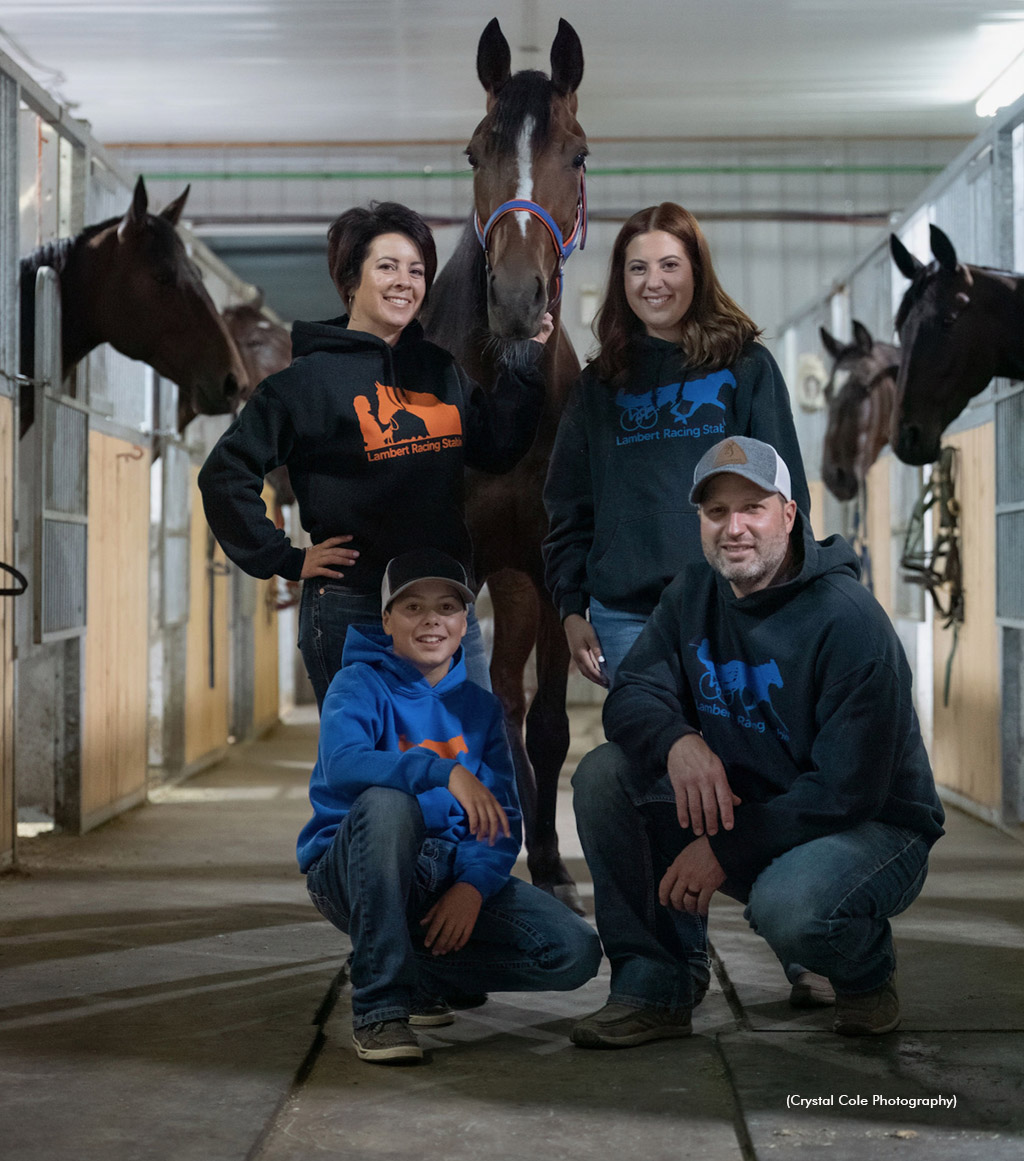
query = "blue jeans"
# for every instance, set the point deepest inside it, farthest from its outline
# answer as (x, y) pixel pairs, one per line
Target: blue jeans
(382, 874)
(824, 904)
(325, 613)
(616, 630)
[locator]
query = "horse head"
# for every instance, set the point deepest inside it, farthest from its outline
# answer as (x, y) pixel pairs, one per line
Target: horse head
(950, 352)
(528, 158)
(144, 295)
(264, 346)
(859, 394)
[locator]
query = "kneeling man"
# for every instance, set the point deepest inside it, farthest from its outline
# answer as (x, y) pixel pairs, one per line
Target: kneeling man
(763, 743)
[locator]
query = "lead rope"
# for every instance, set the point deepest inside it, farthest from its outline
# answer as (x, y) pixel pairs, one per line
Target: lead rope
(942, 566)
(20, 580)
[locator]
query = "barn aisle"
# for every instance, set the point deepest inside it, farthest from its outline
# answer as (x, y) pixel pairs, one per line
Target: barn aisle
(167, 994)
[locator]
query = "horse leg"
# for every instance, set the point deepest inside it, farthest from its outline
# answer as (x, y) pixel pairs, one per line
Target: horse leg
(547, 743)
(515, 628)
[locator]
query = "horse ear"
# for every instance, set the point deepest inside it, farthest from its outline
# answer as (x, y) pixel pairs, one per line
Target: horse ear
(906, 263)
(566, 59)
(862, 337)
(493, 58)
(135, 219)
(943, 249)
(172, 212)
(830, 343)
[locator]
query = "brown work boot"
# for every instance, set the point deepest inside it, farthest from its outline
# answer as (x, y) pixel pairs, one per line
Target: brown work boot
(868, 1013)
(622, 1026)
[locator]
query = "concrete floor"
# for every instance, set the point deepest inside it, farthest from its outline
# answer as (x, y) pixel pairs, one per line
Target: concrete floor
(167, 994)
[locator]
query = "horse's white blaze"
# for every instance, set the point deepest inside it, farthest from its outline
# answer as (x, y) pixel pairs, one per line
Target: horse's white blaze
(524, 163)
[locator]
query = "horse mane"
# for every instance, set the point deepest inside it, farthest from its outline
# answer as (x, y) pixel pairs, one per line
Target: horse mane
(459, 293)
(56, 254)
(527, 94)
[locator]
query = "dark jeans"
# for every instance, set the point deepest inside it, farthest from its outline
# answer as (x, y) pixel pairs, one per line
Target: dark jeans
(325, 613)
(382, 874)
(824, 904)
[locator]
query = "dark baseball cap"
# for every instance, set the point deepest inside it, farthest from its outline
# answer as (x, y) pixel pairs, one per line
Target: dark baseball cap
(423, 564)
(741, 455)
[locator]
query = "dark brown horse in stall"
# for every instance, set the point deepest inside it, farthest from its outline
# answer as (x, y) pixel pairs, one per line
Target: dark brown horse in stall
(129, 282)
(859, 408)
(528, 156)
(959, 327)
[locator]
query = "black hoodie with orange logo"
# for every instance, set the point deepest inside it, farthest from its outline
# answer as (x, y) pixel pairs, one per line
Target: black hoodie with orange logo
(376, 440)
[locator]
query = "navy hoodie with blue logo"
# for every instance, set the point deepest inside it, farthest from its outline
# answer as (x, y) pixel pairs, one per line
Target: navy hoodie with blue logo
(382, 724)
(801, 689)
(376, 440)
(618, 486)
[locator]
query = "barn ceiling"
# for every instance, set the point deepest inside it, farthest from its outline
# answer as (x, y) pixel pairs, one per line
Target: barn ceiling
(330, 70)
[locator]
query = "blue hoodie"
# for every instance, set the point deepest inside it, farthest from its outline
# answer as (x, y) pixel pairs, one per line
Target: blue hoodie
(382, 724)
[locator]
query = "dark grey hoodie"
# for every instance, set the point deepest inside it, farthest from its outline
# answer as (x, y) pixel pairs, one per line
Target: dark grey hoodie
(801, 689)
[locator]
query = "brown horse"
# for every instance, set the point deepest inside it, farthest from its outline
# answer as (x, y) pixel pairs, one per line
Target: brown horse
(859, 409)
(129, 282)
(528, 157)
(265, 347)
(959, 326)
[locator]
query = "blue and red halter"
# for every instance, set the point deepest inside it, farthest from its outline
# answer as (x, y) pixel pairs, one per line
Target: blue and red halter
(563, 246)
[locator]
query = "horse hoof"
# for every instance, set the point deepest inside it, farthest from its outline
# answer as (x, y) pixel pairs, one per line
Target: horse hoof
(566, 893)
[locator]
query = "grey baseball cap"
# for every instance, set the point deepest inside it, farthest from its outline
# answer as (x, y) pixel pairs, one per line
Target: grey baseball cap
(423, 564)
(740, 455)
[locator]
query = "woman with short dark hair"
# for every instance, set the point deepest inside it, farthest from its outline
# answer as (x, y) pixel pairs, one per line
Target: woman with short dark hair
(678, 368)
(376, 426)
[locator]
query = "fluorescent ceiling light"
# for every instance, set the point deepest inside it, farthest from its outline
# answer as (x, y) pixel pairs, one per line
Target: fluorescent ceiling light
(1004, 90)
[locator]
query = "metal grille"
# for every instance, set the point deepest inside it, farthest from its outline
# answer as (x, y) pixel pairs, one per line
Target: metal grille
(1010, 566)
(63, 574)
(1010, 493)
(66, 444)
(120, 390)
(177, 488)
(8, 233)
(175, 535)
(904, 490)
(871, 296)
(1010, 449)
(174, 581)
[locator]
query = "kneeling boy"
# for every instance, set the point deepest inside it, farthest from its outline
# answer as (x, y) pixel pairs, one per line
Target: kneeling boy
(416, 825)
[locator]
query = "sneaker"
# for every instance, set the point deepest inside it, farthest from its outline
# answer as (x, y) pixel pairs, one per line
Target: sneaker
(622, 1026)
(387, 1042)
(431, 1014)
(811, 991)
(868, 1013)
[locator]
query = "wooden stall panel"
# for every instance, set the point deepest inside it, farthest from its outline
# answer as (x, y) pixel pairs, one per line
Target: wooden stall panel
(7, 809)
(114, 753)
(266, 698)
(966, 749)
(206, 689)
